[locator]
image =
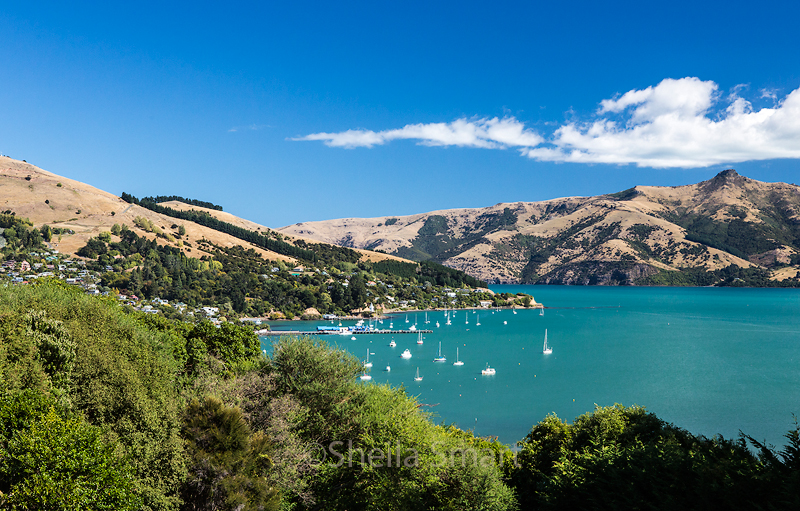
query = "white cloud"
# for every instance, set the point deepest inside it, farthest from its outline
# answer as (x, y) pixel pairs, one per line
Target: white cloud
(678, 123)
(484, 133)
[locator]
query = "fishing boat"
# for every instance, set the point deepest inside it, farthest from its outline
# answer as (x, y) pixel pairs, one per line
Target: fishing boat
(458, 362)
(367, 363)
(489, 371)
(440, 358)
(406, 354)
(417, 377)
(547, 349)
(392, 344)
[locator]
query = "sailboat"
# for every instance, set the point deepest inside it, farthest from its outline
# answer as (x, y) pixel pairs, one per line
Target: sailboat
(417, 377)
(541, 311)
(514, 312)
(367, 363)
(547, 349)
(466, 319)
(419, 338)
(440, 358)
(365, 376)
(406, 318)
(426, 318)
(458, 362)
(478, 320)
(437, 324)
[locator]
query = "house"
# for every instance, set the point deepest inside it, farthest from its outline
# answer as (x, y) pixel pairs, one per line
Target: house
(25, 266)
(486, 303)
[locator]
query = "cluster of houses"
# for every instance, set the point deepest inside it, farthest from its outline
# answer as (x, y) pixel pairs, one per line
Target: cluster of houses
(74, 272)
(69, 270)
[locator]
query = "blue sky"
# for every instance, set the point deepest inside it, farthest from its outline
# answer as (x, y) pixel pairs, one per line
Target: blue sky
(287, 112)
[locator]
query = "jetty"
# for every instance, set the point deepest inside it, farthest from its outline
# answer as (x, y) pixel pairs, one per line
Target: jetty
(338, 332)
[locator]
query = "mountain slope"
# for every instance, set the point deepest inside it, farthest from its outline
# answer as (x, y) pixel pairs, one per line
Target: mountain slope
(619, 238)
(46, 198)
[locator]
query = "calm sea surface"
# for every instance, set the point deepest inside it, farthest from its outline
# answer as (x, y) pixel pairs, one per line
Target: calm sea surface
(710, 360)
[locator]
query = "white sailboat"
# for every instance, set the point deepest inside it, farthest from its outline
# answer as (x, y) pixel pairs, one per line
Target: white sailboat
(440, 358)
(417, 377)
(466, 319)
(478, 320)
(367, 363)
(365, 376)
(419, 338)
(458, 362)
(541, 311)
(547, 349)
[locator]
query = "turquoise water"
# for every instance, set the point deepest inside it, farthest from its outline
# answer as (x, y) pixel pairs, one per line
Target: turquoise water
(710, 360)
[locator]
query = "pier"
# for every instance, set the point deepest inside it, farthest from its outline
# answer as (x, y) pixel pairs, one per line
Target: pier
(354, 332)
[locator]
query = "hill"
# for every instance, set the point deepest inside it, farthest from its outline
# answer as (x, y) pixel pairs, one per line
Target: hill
(174, 254)
(729, 229)
(47, 198)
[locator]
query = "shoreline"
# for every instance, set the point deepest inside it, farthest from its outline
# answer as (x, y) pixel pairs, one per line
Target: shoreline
(386, 314)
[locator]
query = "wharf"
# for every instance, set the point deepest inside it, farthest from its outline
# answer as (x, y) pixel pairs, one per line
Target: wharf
(362, 332)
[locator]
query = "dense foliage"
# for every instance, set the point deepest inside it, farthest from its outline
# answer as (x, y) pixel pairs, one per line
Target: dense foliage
(428, 270)
(626, 458)
(107, 409)
(167, 198)
(18, 235)
(246, 283)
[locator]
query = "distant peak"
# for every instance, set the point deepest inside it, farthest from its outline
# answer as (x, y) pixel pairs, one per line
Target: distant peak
(725, 178)
(730, 173)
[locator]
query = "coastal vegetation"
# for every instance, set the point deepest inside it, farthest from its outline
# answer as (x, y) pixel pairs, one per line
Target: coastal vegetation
(242, 282)
(107, 408)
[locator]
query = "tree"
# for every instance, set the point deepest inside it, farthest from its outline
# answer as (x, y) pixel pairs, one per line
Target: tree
(53, 461)
(47, 233)
(229, 463)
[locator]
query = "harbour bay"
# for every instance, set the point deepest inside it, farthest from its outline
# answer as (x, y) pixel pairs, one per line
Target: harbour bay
(710, 360)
